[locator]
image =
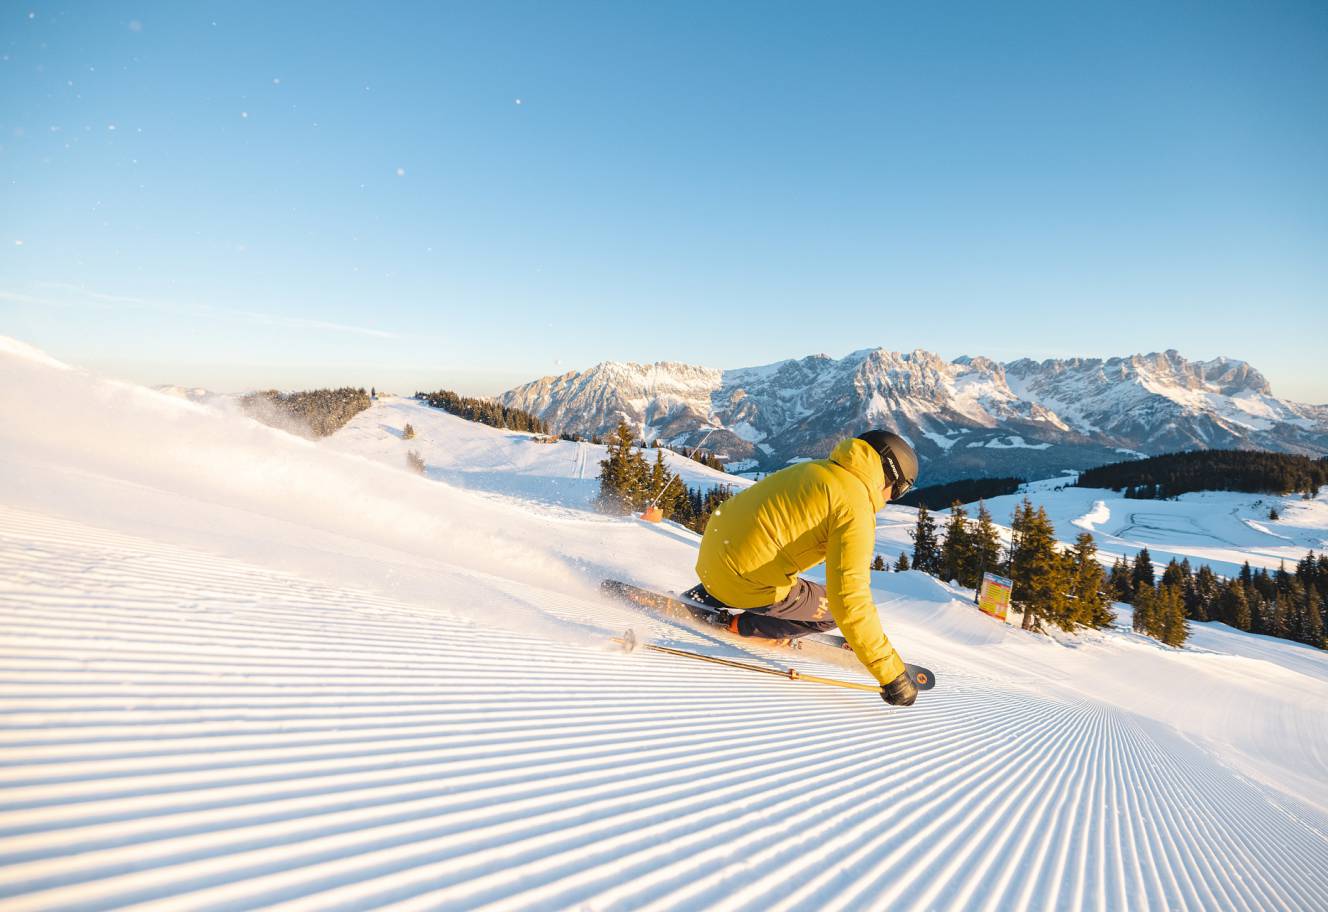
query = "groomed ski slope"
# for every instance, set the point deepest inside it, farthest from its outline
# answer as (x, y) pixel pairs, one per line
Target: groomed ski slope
(239, 670)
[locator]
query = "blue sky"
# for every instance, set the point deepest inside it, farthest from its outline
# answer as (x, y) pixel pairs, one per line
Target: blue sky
(471, 195)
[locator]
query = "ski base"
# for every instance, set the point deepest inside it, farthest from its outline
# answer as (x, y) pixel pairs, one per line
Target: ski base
(829, 645)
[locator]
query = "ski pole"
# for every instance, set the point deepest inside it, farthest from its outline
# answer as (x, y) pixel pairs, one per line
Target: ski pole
(663, 489)
(792, 674)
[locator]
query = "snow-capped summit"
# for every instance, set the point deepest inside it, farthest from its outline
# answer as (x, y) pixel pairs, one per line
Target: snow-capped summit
(970, 416)
(1160, 402)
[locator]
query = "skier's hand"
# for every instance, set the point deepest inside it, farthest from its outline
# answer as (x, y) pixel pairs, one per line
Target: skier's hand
(900, 691)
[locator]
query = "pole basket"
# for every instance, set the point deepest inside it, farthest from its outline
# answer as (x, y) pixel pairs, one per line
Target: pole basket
(653, 514)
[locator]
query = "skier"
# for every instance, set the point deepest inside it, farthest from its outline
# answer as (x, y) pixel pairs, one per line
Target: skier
(757, 543)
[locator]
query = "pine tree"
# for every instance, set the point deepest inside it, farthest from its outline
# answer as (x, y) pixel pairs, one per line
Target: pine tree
(878, 563)
(1121, 580)
(1143, 570)
(1207, 593)
(1168, 616)
(408, 432)
(1039, 573)
(1018, 522)
(1092, 608)
(902, 564)
(956, 548)
(1235, 604)
(986, 546)
(623, 479)
(1278, 622)
(926, 551)
(1144, 597)
(658, 478)
(1312, 627)
(1172, 575)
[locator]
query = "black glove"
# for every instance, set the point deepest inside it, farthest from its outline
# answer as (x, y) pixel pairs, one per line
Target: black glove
(899, 692)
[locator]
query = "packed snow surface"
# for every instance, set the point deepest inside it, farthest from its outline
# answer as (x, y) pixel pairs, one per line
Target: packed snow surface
(240, 669)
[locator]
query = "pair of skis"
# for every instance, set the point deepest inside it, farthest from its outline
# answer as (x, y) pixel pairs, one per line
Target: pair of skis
(822, 645)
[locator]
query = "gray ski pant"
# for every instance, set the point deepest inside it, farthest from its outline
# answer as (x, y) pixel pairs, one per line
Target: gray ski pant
(804, 610)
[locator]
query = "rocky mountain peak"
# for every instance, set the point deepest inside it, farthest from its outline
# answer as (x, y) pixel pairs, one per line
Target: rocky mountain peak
(969, 416)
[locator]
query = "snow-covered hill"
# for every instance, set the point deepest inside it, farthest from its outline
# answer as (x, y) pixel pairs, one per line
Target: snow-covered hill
(967, 417)
(470, 455)
(241, 669)
(1222, 529)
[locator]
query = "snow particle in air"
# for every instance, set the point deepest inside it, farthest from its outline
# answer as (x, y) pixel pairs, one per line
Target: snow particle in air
(244, 115)
(17, 242)
(135, 25)
(401, 172)
(518, 101)
(276, 80)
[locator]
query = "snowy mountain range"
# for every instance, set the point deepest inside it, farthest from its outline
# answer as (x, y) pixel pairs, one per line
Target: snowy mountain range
(968, 417)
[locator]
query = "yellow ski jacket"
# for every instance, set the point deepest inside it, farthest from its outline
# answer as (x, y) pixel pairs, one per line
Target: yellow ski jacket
(758, 541)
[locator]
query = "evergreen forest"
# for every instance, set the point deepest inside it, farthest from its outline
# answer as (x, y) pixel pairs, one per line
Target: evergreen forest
(1172, 474)
(485, 411)
(311, 413)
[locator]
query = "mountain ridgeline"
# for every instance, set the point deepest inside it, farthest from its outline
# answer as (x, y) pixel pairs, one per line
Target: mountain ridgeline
(968, 418)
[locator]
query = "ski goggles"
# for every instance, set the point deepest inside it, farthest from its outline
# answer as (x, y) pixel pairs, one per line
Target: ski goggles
(892, 467)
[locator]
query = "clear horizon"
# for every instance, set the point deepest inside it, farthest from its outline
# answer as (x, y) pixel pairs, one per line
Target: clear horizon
(243, 196)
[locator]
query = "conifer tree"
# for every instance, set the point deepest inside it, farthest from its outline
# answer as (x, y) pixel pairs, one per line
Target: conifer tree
(1017, 523)
(956, 548)
(1278, 615)
(902, 564)
(878, 563)
(408, 432)
(1144, 596)
(1207, 592)
(1312, 626)
(1091, 607)
(1261, 612)
(623, 480)
(1038, 572)
(1236, 609)
(926, 551)
(986, 546)
(1172, 574)
(658, 478)
(1121, 581)
(1167, 617)
(1143, 570)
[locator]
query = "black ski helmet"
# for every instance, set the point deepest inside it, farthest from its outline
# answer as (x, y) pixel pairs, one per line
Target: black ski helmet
(897, 459)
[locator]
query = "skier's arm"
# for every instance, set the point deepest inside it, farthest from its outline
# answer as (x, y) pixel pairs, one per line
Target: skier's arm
(848, 590)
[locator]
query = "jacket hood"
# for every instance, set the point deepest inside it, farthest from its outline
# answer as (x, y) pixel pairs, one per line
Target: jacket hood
(865, 463)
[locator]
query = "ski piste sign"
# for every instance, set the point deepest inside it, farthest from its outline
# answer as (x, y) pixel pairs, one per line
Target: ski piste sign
(994, 597)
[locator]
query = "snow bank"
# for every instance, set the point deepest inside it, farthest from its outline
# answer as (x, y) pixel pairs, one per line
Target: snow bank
(66, 423)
